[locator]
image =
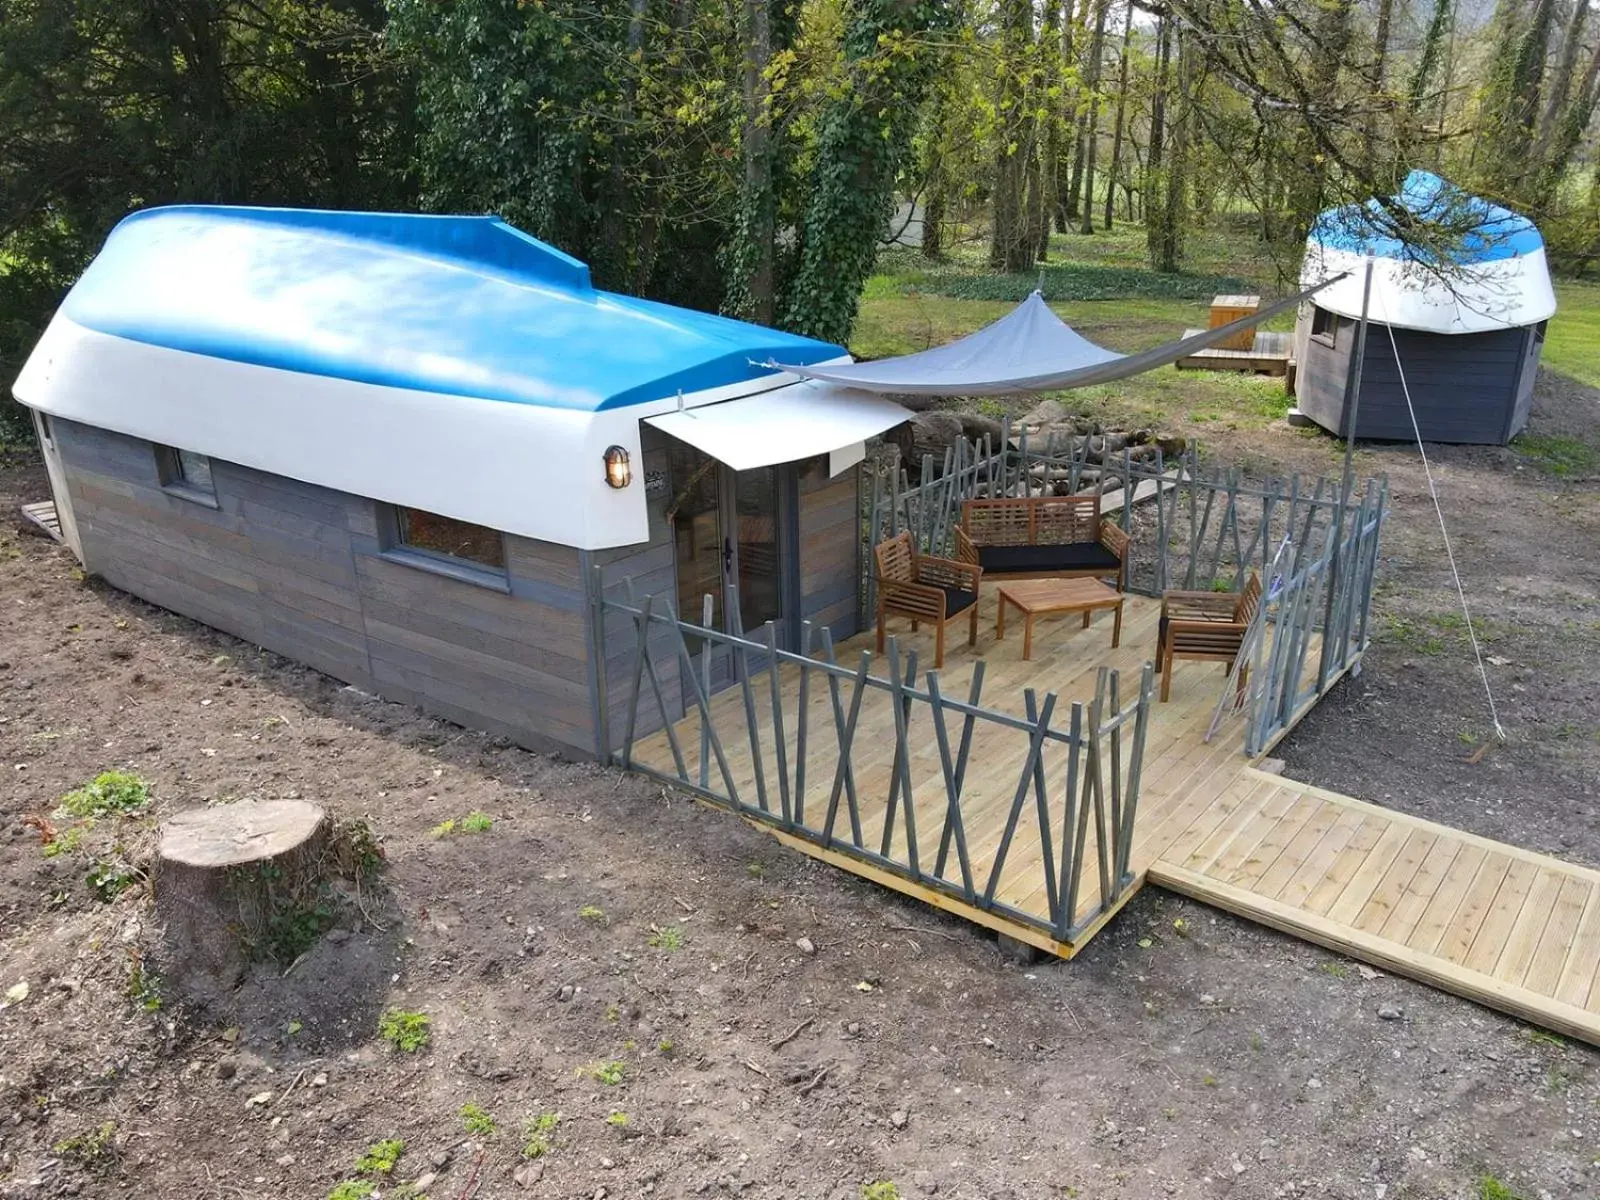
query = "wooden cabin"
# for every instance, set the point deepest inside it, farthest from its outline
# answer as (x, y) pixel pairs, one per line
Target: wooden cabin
(395, 448)
(1467, 337)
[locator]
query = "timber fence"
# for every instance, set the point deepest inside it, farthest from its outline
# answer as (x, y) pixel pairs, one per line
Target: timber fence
(798, 743)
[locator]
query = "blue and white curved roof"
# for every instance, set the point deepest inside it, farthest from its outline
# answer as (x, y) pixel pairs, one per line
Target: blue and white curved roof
(448, 363)
(467, 306)
(1496, 276)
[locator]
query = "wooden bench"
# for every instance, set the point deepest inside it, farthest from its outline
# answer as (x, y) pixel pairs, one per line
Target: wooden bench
(1038, 537)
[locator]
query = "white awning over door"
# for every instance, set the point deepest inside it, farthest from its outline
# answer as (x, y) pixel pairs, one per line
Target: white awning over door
(788, 423)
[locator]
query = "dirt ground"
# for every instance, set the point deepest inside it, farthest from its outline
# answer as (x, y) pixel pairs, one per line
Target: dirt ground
(609, 948)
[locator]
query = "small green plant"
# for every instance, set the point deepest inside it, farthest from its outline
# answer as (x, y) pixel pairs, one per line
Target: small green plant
(477, 1121)
(293, 1027)
(1541, 1037)
(143, 987)
(405, 1031)
(352, 1189)
(1490, 1188)
(292, 929)
(617, 1119)
(755, 870)
(667, 937)
(477, 822)
(883, 1189)
(666, 1047)
(609, 1073)
(92, 1151)
(66, 842)
(1336, 970)
(382, 1157)
(592, 912)
(613, 1012)
(110, 792)
(108, 878)
(443, 829)
(1556, 1079)
(538, 1133)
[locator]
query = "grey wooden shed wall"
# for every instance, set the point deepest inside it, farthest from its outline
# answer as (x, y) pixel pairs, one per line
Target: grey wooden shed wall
(1467, 388)
(299, 570)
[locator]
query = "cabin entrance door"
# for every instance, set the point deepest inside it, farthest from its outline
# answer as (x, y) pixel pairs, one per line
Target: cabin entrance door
(734, 555)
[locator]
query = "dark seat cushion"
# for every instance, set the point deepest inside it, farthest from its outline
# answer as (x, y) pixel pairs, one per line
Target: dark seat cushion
(1075, 556)
(957, 600)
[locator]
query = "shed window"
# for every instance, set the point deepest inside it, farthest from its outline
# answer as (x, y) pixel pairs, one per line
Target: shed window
(187, 474)
(460, 549)
(1324, 325)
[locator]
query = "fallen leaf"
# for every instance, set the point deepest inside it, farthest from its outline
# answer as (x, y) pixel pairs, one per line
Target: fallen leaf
(864, 986)
(17, 993)
(1367, 972)
(1498, 661)
(1146, 943)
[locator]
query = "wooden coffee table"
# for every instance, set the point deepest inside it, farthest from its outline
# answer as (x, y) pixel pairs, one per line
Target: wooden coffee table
(1034, 597)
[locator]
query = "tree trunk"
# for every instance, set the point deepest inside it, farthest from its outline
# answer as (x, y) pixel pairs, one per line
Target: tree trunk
(1009, 246)
(1151, 193)
(1115, 166)
(1332, 40)
(1556, 98)
(1069, 26)
(237, 883)
(933, 218)
(1380, 43)
(760, 202)
(1097, 46)
(1173, 202)
(1050, 106)
(1564, 142)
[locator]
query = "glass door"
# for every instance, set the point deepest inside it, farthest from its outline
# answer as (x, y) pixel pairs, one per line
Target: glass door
(728, 543)
(758, 570)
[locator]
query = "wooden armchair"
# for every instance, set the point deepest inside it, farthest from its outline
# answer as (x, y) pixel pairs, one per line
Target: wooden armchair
(925, 588)
(1206, 625)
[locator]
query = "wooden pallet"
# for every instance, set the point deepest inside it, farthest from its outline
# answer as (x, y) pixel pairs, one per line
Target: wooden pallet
(1268, 356)
(43, 514)
(1508, 928)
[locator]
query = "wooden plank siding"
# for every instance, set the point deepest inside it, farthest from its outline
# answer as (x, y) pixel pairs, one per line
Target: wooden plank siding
(829, 533)
(1467, 388)
(298, 569)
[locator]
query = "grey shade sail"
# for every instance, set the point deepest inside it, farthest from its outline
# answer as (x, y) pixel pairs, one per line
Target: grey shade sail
(1030, 349)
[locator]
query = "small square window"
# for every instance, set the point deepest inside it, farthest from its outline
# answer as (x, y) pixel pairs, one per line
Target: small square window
(187, 474)
(460, 549)
(1324, 325)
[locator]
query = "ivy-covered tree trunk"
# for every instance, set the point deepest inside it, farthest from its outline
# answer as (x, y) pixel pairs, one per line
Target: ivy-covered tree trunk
(1329, 50)
(1558, 99)
(863, 134)
(751, 284)
(1009, 237)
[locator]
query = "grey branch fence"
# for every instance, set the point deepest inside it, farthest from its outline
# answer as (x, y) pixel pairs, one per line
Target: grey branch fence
(891, 772)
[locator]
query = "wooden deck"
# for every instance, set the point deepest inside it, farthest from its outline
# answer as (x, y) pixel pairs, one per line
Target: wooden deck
(1269, 356)
(1508, 928)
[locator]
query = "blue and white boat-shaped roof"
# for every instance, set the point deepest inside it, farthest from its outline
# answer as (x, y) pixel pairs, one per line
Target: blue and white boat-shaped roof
(1488, 270)
(444, 362)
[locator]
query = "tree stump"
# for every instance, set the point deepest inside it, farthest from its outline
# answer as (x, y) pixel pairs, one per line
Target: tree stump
(237, 883)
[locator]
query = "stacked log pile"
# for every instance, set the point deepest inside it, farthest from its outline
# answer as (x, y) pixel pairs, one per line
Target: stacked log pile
(1047, 425)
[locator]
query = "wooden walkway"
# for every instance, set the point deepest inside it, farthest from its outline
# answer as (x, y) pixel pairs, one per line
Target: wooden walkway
(1506, 927)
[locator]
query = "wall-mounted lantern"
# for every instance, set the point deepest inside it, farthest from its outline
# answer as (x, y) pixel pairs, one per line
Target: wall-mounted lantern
(618, 473)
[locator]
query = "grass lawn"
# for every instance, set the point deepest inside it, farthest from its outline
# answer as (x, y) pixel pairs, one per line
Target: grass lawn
(1100, 286)
(1572, 344)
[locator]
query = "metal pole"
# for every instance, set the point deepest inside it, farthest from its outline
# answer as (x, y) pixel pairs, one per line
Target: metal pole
(1352, 409)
